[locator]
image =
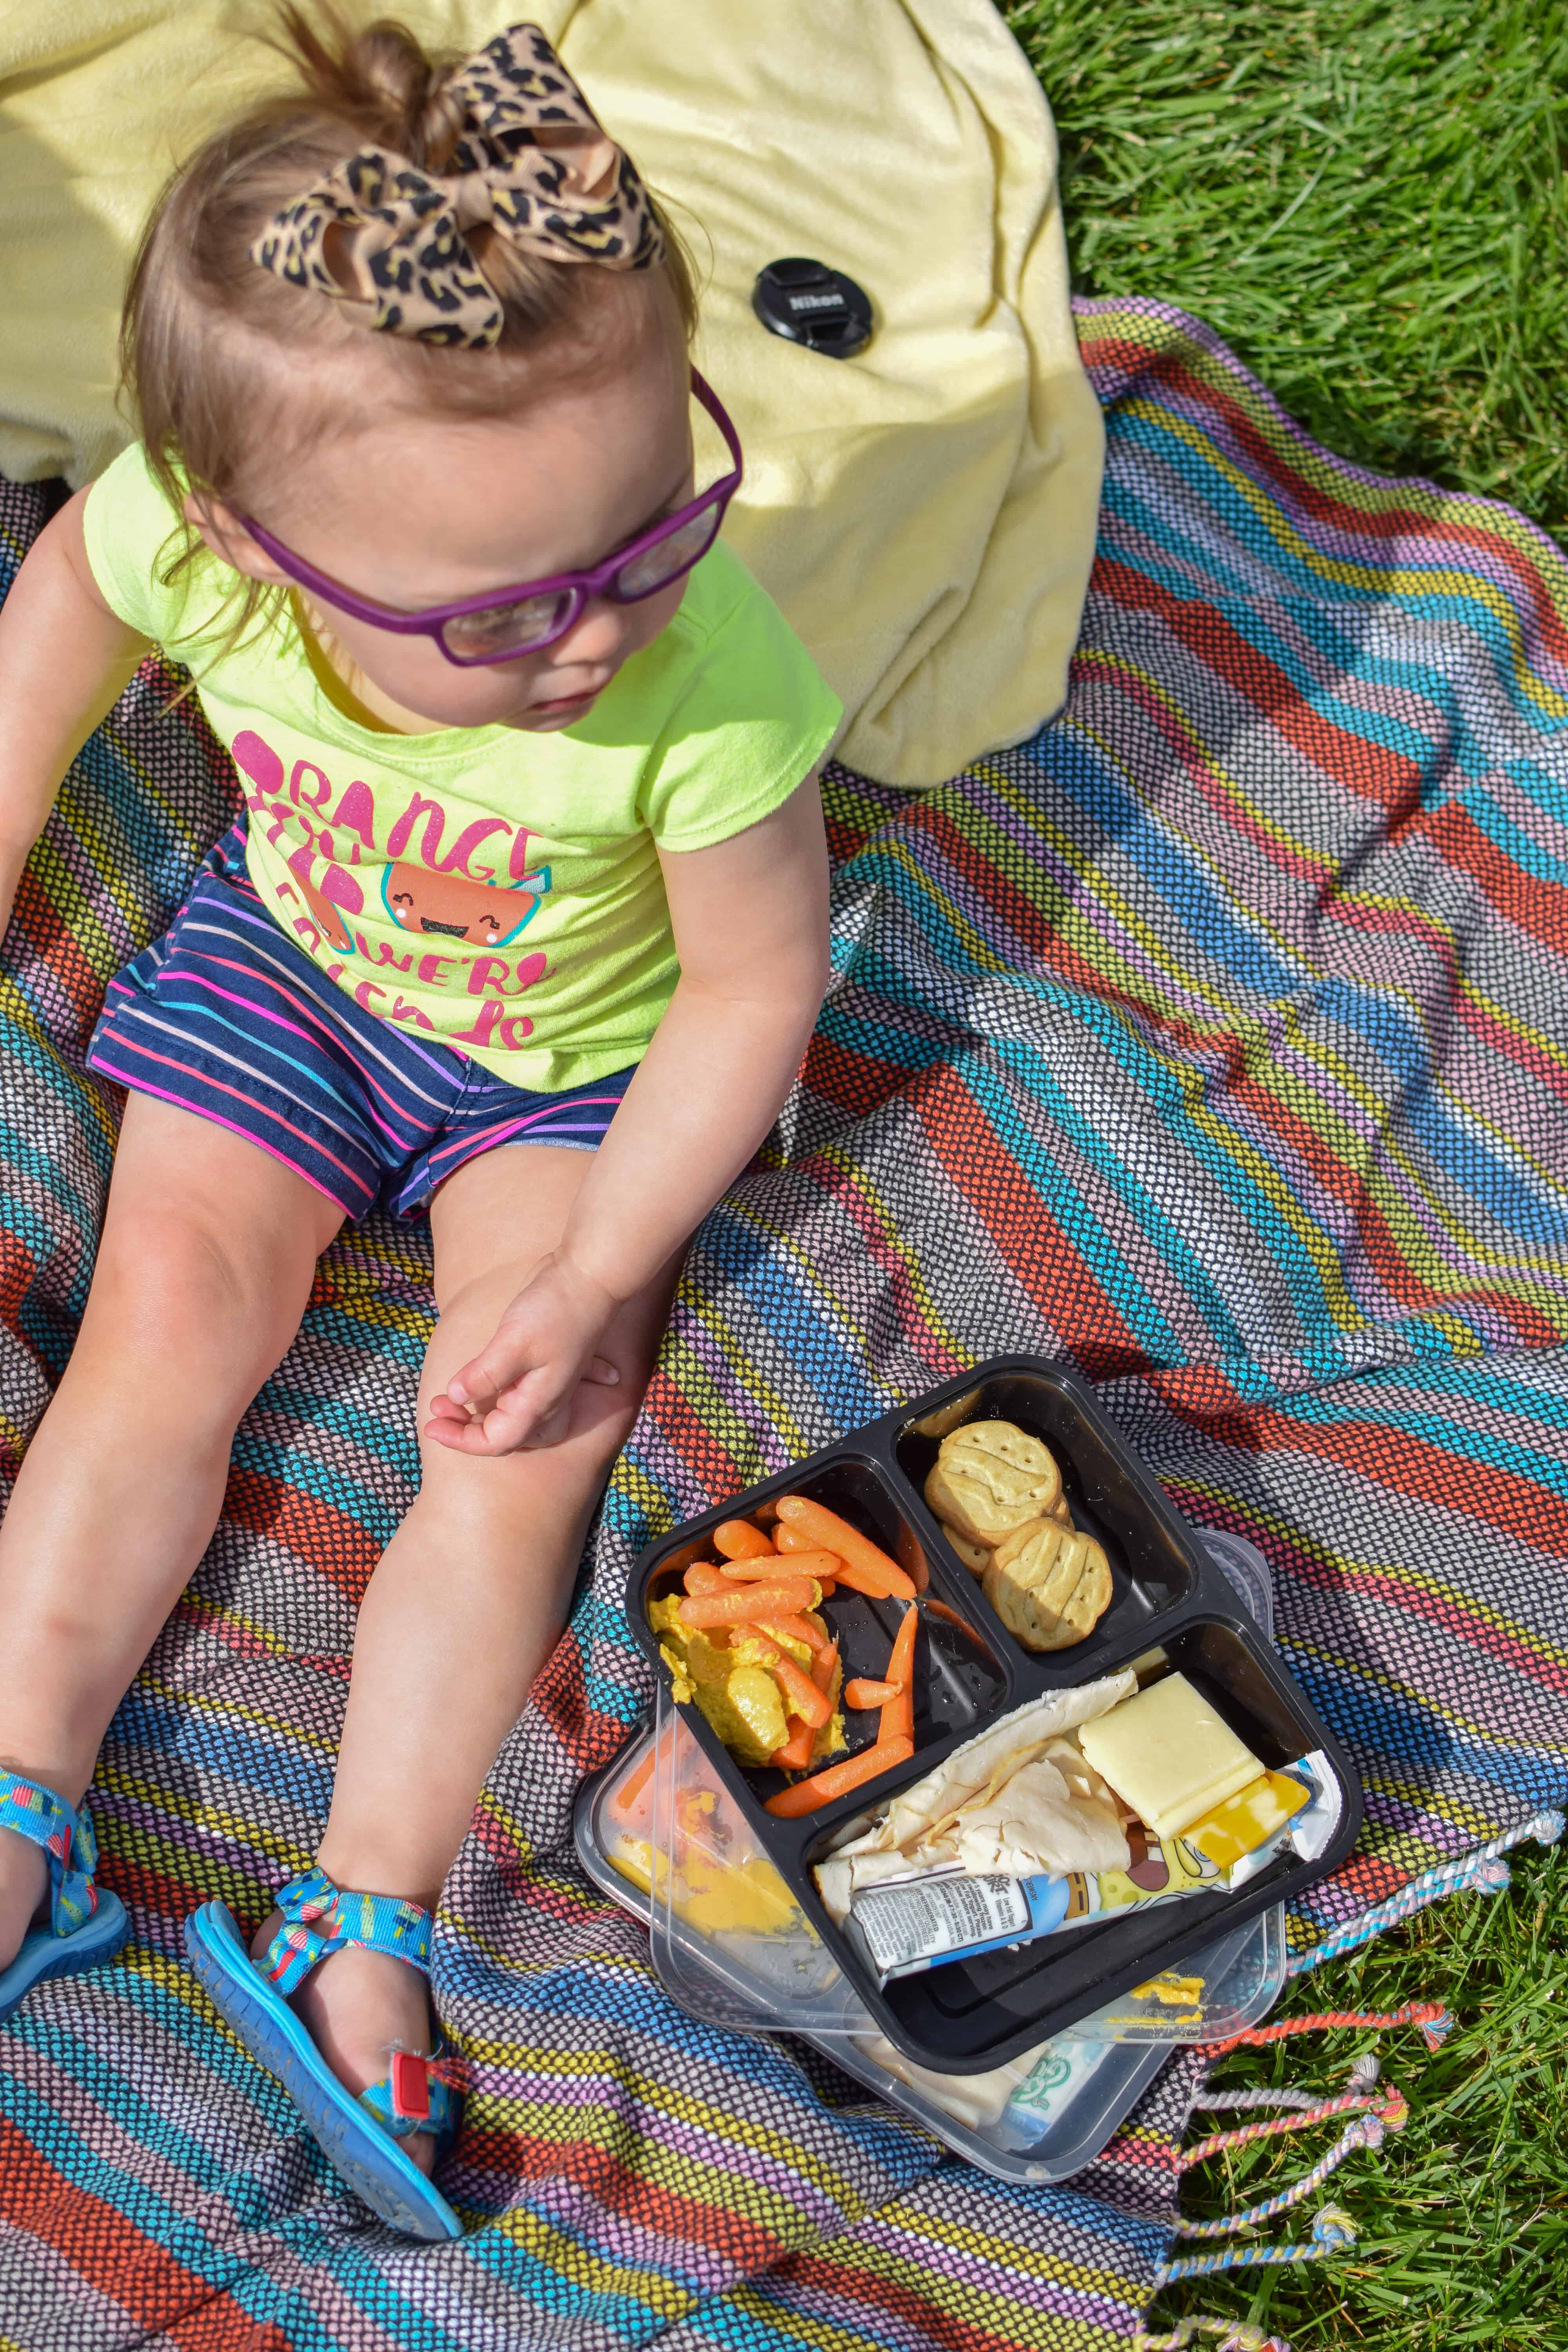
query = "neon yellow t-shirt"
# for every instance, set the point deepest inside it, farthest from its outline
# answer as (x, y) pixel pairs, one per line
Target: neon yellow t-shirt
(497, 888)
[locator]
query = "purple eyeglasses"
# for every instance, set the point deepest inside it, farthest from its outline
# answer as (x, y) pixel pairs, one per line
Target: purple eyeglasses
(533, 615)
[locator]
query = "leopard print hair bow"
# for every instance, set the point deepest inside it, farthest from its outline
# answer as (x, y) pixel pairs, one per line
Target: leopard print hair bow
(387, 239)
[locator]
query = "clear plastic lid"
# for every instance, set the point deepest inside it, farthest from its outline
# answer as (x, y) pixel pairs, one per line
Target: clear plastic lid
(730, 1940)
(1216, 1992)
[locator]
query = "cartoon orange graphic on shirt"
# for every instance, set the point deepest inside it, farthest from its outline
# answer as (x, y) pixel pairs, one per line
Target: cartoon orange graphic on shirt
(483, 914)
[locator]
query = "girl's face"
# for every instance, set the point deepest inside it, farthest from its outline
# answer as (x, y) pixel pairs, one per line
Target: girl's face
(411, 511)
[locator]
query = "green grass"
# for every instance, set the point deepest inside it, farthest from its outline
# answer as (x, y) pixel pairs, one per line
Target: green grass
(1364, 197)
(1463, 2217)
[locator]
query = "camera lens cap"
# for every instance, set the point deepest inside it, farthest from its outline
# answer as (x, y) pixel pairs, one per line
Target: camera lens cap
(808, 303)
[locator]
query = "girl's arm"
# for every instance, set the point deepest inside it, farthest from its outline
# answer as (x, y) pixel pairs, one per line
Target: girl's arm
(65, 659)
(750, 918)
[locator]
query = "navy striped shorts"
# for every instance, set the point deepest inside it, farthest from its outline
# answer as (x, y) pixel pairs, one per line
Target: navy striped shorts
(225, 1016)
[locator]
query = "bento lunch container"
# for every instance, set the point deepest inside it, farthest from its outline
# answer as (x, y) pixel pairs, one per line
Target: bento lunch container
(970, 2017)
(1061, 2102)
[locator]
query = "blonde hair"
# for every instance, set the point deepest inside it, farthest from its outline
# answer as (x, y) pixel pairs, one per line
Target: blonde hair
(210, 344)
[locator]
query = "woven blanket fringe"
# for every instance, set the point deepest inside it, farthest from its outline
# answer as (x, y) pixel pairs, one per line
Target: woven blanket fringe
(1375, 2112)
(1234, 2335)
(1480, 1870)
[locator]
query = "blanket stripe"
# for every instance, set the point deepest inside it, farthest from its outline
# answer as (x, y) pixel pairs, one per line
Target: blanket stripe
(1213, 1039)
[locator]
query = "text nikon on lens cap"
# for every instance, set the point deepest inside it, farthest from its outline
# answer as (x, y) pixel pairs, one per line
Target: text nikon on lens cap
(807, 302)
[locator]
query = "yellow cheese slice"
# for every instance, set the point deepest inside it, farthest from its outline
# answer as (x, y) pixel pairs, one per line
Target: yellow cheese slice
(1240, 1825)
(1168, 1754)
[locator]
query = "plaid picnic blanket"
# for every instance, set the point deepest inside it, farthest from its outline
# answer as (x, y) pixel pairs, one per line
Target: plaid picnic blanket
(1215, 1040)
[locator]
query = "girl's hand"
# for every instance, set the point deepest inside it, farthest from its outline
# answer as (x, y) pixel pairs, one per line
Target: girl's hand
(518, 1391)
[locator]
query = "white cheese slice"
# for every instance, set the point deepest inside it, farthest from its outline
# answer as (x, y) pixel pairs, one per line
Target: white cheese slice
(1168, 1754)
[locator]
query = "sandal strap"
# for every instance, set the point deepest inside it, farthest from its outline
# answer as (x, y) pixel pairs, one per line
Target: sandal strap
(419, 2094)
(319, 1917)
(69, 1846)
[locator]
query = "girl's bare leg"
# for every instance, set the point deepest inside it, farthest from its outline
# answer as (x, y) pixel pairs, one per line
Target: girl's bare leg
(202, 1273)
(467, 1601)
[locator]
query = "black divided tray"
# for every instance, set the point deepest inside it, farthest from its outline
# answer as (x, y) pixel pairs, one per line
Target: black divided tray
(970, 2015)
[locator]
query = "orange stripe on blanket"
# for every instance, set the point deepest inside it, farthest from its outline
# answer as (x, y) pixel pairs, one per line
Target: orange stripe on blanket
(810, 2280)
(589, 1738)
(325, 1539)
(113, 2258)
(1530, 900)
(511, 2156)
(1033, 1249)
(698, 1445)
(1369, 771)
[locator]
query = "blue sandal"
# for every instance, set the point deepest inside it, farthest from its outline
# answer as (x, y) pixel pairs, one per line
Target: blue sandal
(360, 2136)
(85, 1927)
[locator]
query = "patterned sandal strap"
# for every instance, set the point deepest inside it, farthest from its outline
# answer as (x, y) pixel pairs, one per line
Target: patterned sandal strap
(319, 1917)
(69, 1847)
(419, 2094)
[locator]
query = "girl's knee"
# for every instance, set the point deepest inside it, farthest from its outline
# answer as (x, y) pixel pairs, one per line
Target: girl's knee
(174, 1289)
(502, 1501)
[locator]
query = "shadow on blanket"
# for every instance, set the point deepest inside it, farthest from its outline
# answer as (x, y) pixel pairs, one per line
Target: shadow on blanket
(1213, 1039)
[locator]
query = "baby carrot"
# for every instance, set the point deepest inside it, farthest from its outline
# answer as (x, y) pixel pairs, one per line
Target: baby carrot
(703, 1577)
(812, 1562)
(798, 1629)
(754, 1600)
(799, 1692)
(836, 1535)
(899, 1713)
(863, 1693)
(804, 1796)
(788, 1539)
(626, 1795)
(755, 1571)
(806, 1558)
(795, 1753)
(738, 1539)
(863, 1580)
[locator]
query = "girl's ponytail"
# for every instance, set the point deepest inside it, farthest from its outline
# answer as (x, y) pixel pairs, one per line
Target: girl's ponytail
(378, 83)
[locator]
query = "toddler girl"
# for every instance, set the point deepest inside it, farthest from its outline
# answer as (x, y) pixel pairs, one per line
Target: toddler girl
(524, 927)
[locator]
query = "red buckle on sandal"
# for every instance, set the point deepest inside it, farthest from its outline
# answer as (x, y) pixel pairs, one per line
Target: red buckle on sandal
(410, 2086)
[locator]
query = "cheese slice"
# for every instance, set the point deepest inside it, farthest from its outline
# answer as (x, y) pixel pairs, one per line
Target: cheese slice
(1168, 1754)
(1241, 1825)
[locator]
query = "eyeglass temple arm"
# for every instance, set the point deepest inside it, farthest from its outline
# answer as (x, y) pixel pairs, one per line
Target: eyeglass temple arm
(716, 409)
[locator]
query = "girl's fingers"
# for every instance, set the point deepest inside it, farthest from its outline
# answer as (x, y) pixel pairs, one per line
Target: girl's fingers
(484, 1378)
(490, 1379)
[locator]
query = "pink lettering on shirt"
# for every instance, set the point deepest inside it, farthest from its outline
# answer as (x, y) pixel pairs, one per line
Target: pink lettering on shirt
(495, 972)
(260, 762)
(355, 812)
(402, 833)
(493, 1028)
(303, 768)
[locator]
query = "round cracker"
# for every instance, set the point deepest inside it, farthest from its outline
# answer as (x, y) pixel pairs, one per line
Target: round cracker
(989, 1478)
(976, 1559)
(1049, 1585)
